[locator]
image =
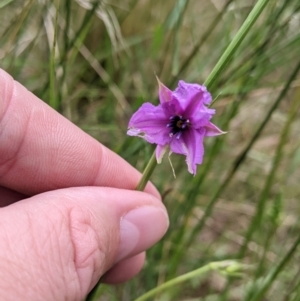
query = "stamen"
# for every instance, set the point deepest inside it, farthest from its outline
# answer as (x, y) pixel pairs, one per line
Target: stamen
(179, 135)
(178, 124)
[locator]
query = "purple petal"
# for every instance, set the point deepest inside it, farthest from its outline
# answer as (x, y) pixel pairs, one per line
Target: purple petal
(194, 143)
(200, 117)
(190, 145)
(172, 108)
(150, 123)
(191, 96)
(212, 130)
(160, 151)
(193, 99)
(177, 146)
(165, 94)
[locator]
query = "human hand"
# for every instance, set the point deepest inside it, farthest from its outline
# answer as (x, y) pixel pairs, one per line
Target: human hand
(77, 216)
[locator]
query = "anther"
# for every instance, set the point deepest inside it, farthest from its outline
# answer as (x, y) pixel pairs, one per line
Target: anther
(177, 125)
(179, 135)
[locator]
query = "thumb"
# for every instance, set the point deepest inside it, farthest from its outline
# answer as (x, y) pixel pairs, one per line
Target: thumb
(56, 245)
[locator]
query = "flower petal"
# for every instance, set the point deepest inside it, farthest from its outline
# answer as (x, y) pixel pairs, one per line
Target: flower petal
(193, 99)
(150, 123)
(164, 93)
(194, 143)
(172, 108)
(190, 144)
(201, 116)
(177, 146)
(191, 96)
(160, 151)
(212, 130)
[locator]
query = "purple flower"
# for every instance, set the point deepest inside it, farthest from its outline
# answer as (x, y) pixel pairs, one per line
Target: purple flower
(180, 121)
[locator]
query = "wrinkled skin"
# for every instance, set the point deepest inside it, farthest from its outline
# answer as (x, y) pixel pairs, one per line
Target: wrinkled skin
(68, 213)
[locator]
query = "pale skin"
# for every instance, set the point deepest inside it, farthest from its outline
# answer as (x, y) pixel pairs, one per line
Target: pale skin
(69, 213)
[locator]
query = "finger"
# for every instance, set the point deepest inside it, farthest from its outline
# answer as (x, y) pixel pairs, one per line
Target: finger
(8, 196)
(59, 243)
(125, 269)
(41, 150)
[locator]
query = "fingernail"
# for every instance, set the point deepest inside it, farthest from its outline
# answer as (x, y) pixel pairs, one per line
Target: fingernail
(140, 229)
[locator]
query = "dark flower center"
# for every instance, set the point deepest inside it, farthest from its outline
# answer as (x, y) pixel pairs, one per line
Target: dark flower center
(178, 124)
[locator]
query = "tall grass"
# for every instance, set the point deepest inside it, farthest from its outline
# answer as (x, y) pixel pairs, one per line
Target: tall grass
(95, 62)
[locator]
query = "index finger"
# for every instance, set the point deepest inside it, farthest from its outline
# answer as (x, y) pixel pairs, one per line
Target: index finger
(40, 150)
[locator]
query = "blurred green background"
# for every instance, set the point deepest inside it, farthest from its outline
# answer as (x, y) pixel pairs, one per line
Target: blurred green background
(95, 62)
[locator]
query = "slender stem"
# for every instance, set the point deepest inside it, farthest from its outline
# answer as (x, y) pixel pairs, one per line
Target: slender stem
(199, 44)
(53, 101)
(147, 173)
(235, 43)
(221, 265)
(274, 273)
(257, 218)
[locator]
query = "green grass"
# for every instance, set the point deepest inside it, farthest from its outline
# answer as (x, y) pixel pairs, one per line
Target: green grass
(243, 204)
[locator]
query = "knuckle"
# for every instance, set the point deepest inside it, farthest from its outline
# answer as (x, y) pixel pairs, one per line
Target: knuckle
(90, 253)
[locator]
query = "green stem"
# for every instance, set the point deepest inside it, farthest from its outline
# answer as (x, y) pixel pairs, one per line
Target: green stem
(260, 208)
(53, 101)
(147, 173)
(223, 61)
(199, 44)
(273, 274)
(196, 273)
(235, 43)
